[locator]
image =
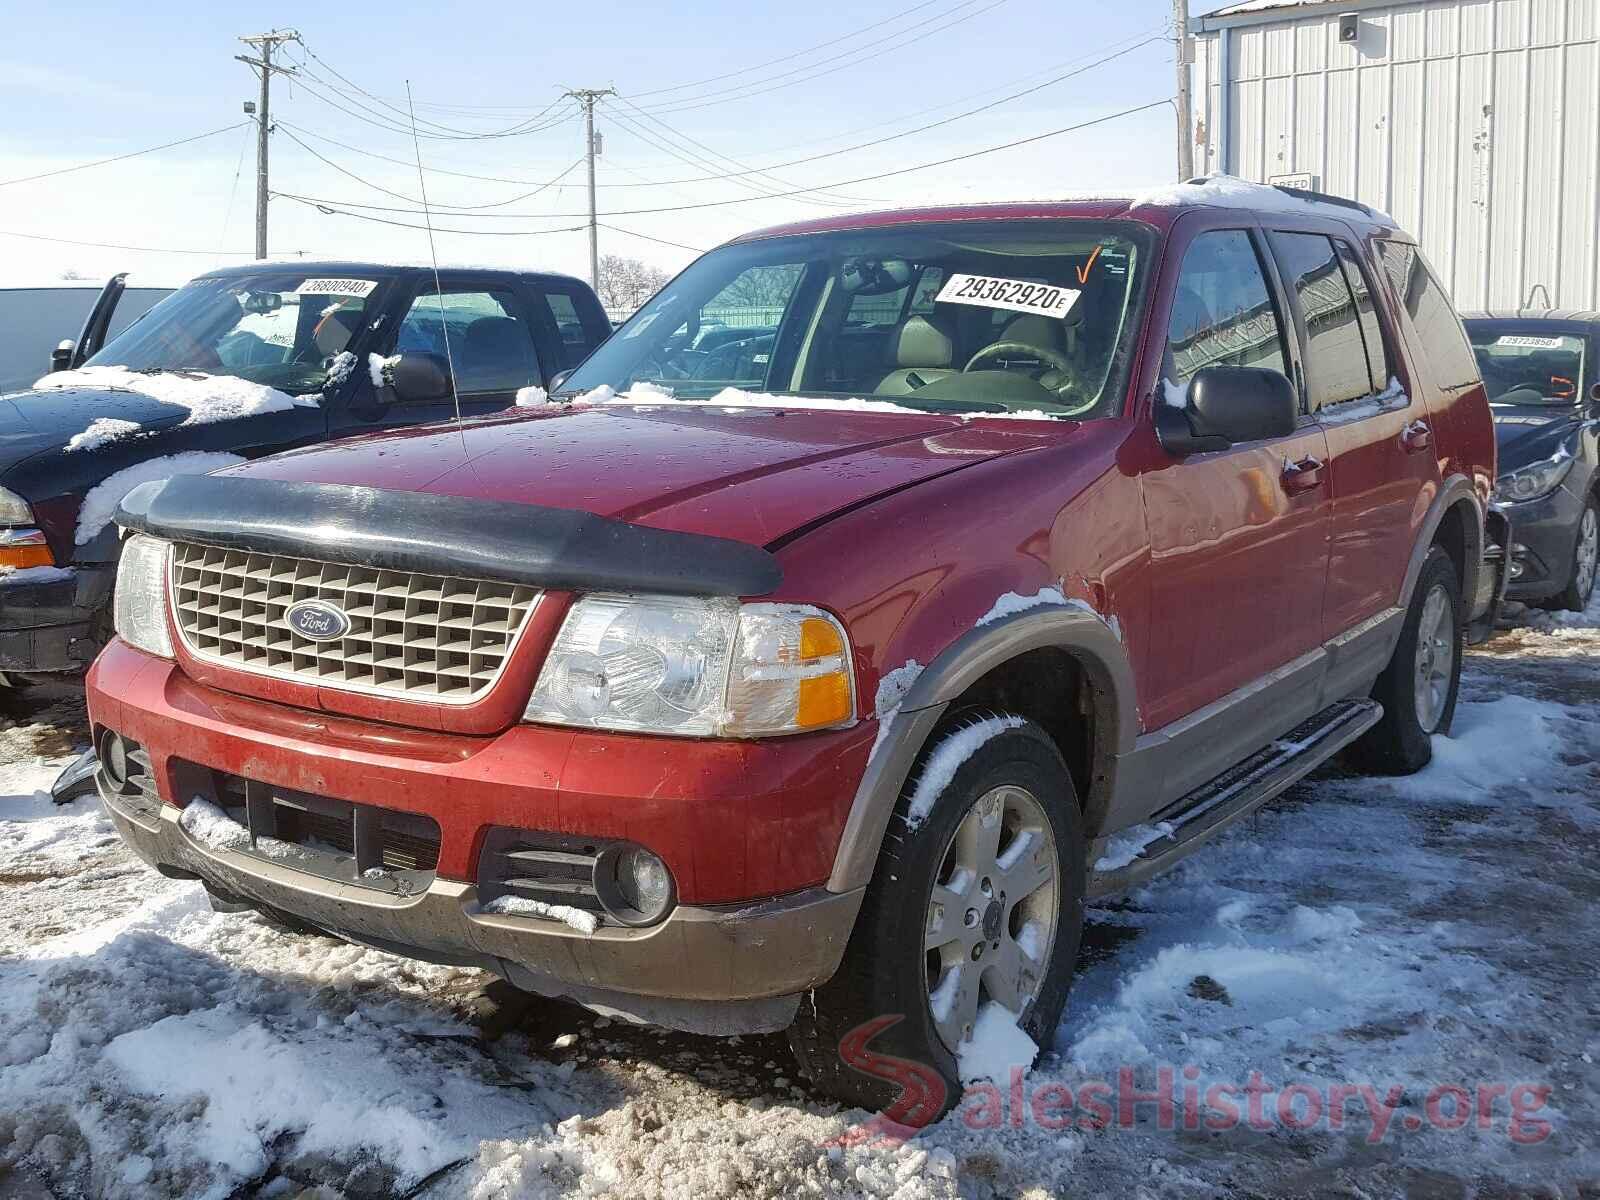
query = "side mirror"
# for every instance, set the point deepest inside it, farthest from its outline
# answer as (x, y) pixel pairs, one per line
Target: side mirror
(1225, 405)
(61, 356)
(558, 379)
(418, 377)
(1594, 394)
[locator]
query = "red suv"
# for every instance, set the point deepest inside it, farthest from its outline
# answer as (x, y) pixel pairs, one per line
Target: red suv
(887, 587)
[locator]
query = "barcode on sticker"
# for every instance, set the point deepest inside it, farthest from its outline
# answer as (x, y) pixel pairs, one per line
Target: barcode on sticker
(1526, 342)
(1018, 295)
(336, 287)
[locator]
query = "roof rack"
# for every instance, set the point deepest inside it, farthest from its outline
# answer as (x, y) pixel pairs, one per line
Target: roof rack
(1325, 198)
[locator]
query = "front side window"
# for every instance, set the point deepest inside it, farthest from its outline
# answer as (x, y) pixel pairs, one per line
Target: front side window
(1336, 356)
(1443, 339)
(1222, 314)
(971, 317)
(280, 329)
(490, 341)
(577, 341)
(1529, 362)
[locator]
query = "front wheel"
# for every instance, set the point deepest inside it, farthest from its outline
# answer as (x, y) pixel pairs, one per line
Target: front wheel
(1585, 561)
(973, 916)
(1418, 688)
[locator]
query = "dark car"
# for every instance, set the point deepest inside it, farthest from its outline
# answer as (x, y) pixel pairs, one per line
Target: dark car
(1542, 372)
(816, 686)
(240, 363)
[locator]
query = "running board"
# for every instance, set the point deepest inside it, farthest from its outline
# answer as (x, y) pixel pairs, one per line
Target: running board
(1239, 791)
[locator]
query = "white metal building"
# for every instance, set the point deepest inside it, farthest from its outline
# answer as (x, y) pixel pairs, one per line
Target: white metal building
(1475, 123)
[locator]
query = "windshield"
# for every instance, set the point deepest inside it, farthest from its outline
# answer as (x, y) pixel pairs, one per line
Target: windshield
(280, 329)
(1524, 363)
(1017, 316)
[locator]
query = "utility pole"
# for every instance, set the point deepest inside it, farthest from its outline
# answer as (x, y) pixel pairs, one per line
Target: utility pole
(587, 98)
(265, 44)
(1180, 18)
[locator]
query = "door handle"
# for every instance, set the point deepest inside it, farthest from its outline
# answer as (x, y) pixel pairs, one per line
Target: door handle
(1416, 437)
(1302, 476)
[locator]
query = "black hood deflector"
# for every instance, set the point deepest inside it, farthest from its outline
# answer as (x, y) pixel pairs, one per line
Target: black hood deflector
(554, 548)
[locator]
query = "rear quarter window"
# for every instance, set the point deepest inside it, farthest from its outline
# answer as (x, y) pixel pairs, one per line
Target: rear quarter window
(1444, 340)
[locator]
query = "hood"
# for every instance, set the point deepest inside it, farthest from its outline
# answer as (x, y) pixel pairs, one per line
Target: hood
(752, 474)
(1529, 433)
(44, 419)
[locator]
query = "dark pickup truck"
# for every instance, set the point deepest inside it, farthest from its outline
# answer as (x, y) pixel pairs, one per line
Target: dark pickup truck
(240, 363)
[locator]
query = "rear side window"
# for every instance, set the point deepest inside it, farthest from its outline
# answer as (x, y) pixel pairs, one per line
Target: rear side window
(1222, 314)
(1336, 357)
(576, 341)
(1367, 314)
(1443, 339)
(489, 342)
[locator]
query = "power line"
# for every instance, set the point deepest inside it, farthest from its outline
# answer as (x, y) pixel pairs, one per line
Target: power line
(464, 208)
(647, 238)
(100, 162)
(322, 137)
(333, 206)
(39, 237)
(331, 210)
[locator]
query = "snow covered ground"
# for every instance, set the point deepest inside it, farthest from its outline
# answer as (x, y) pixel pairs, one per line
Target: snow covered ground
(1361, 946)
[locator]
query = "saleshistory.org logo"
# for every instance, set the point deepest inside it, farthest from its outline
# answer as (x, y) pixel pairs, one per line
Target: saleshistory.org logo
(1174, 1098)
(317, 620)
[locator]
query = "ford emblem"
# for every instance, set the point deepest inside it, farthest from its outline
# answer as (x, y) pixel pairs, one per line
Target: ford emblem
(317, 620)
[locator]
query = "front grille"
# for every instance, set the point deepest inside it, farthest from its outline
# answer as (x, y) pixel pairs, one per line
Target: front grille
(426, 637)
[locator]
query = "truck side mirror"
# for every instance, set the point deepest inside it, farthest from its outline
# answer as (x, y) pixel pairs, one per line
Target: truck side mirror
(418, 377)
(61, 356)
(1225, 405)
(558, 379)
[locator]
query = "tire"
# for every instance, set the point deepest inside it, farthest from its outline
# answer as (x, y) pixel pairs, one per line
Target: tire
(1401, 743)
(881, 992)
(1585, 548)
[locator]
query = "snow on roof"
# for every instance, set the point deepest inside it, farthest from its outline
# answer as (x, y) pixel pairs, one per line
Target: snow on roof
(1250, 6)
(1227, 191)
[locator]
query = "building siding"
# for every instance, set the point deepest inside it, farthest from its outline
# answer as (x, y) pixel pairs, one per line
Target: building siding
(1475, 123)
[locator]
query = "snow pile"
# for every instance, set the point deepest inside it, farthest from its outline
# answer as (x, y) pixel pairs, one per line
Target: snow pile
(341, 368)
(997, 1045)
(1126, 845)
(734, 400)
(892, 690)
(102, 430)
(517, 906)
(100, 504)
(1229, 191)
(377, 365)
(533, 397)
(213, 828)
(947, 758)
(1011, 603)
(207, 397)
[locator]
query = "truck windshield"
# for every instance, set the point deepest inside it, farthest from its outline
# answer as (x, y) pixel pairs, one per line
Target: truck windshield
(281, 329)
(1528, 363)
(970, 316)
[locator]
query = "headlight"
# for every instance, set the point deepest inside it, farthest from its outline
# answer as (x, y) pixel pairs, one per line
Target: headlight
(14, 510)
(140, 608)
(697, 668)
(1540, 479)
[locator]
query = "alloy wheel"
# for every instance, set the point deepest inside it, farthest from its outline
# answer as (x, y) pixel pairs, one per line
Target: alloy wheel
(1588, 553)
(1436, 658)
(992, 912)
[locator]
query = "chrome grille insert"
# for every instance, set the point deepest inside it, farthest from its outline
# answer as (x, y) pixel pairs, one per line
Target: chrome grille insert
(423, 637)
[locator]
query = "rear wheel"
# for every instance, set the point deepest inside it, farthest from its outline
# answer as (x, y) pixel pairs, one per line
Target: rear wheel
(1418, 688)
(979, 903)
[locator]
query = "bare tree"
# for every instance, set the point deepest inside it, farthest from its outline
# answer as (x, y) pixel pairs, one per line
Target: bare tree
(626, 283)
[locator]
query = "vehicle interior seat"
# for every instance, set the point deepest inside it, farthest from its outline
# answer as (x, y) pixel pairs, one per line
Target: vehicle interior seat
(496, 355)
(922, 350)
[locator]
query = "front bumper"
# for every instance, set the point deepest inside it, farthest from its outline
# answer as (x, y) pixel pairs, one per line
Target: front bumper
(1545, 534)
(48, 625)
(719, 967)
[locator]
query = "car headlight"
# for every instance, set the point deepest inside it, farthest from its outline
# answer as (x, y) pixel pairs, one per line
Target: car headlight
(696, 668)
(139, 611)
(14, 510)
(1532, 482)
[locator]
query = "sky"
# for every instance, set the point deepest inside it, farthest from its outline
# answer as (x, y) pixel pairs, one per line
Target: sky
(713, 89)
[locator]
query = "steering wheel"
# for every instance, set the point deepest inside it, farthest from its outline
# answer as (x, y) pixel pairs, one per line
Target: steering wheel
(1053, 358)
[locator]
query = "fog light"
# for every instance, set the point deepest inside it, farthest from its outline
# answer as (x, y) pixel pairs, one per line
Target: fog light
(114, 752)
(1516, 570)
(634, 885)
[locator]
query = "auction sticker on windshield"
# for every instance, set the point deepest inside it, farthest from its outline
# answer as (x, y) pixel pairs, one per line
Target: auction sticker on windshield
(1524, 342)
(336, 287)
(1018, 295)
